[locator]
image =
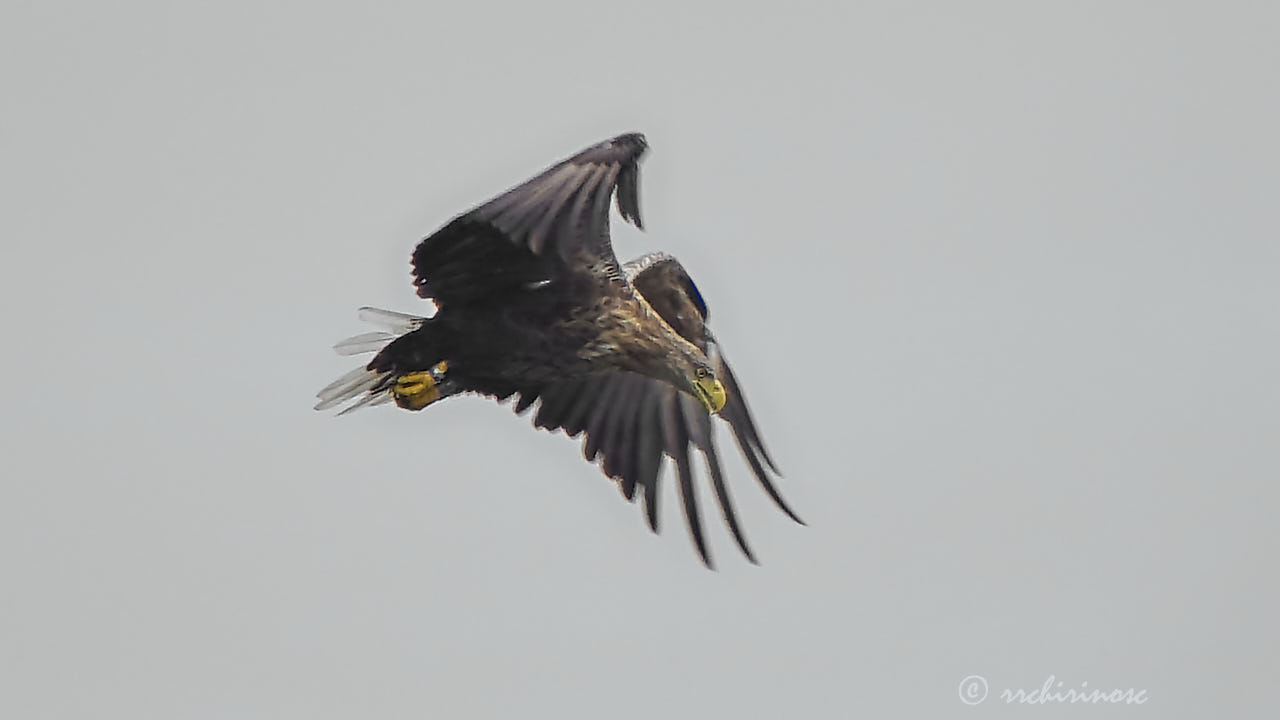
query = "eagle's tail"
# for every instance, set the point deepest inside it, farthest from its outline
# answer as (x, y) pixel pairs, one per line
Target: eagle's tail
(382, 381)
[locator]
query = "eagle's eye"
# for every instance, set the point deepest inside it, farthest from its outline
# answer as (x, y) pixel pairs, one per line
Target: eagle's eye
(701, 372)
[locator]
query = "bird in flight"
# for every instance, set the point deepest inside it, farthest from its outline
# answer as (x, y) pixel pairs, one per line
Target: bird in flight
(532, 303)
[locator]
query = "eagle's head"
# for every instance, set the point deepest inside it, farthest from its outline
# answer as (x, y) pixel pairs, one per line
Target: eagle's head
(707, 387)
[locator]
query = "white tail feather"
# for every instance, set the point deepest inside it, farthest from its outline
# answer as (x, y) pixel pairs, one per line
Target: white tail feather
(397, 322)
(369, 386)
(365, 343)
(340, 384)
(369, 398)
(340, 392)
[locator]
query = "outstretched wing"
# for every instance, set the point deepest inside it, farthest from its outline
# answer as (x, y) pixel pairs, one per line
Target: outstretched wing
(549, 229)
(632, 421)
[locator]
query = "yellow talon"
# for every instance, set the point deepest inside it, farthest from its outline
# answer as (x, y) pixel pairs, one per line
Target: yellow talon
(415, 390)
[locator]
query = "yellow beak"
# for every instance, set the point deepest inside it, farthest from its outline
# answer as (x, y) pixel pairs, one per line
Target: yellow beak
(711, 393)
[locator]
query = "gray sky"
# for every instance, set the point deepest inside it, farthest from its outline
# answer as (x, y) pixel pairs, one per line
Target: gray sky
(1000, 281)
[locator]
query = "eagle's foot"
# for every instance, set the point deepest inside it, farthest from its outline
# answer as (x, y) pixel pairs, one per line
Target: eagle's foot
(416, 390)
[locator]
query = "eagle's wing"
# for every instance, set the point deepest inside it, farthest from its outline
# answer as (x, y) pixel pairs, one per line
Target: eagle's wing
(631, 421)
(545, 230)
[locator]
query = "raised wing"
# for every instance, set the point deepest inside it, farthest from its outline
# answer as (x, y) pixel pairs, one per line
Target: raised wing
(632, 421)
(547, 229)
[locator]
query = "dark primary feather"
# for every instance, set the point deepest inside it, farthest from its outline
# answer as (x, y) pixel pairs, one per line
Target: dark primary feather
(632, 422)
(550, 227)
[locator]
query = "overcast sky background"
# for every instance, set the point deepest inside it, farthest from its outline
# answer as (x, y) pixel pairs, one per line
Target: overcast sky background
(1001, 282)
